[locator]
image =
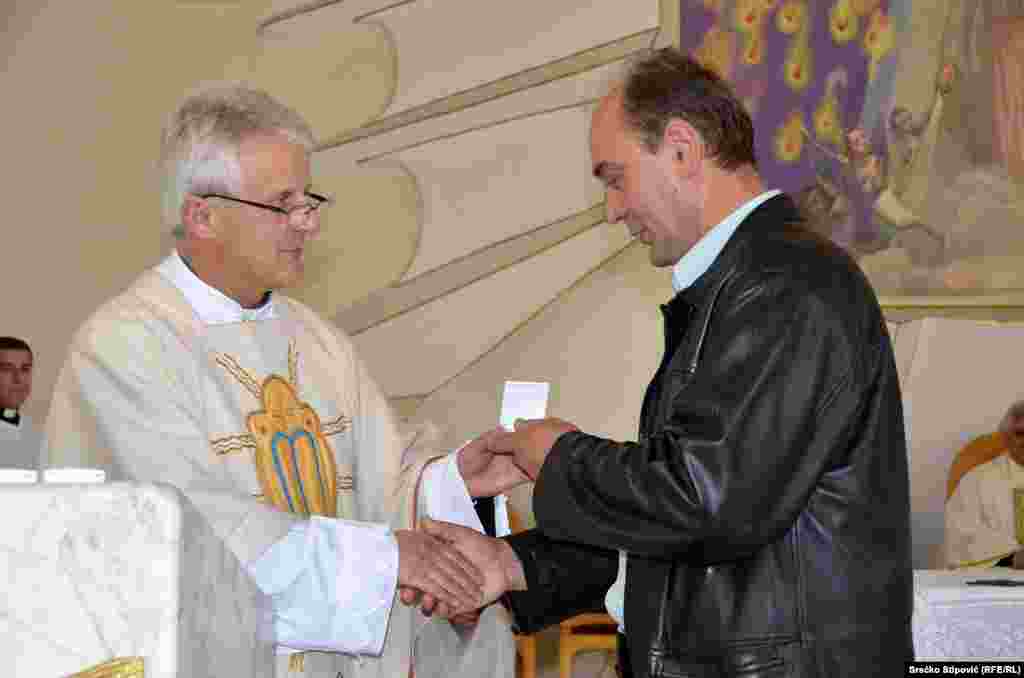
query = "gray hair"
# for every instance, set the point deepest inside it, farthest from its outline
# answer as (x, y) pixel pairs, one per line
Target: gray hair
(1015, 410)
(199, 147)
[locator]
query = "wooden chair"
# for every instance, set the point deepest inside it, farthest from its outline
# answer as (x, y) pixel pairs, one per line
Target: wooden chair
(526, 645)
(584, 632)
(588, 631)
(978, 451)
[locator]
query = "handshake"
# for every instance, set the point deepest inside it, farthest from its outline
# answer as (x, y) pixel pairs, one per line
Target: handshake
(453, 571)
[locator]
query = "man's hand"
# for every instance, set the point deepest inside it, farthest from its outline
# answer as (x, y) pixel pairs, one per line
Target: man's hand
(500, 565)
(530, 442)
(448, 579)
(494, 557)
(430, 605)
(486, 473)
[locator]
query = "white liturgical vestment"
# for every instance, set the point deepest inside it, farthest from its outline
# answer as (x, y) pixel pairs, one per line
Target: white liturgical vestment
(980, 517)
(268, 422)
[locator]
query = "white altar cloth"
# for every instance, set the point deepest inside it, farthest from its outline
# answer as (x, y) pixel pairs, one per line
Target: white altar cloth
(954, 620)
(89, 573)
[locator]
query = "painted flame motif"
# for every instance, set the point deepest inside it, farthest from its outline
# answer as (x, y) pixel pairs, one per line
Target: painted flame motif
(753, 50)
(749, 20)
(789, 138)
(826, 121)
(879, 39)
(797, 68)
(828, 127)
(791, 17)
(715, 51)
(864, 7)
(843, 22)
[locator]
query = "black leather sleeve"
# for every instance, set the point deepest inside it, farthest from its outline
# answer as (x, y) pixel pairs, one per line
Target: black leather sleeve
(563, 579)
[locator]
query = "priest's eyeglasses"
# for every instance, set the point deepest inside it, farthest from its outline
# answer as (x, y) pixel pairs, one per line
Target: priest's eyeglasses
(295, 214)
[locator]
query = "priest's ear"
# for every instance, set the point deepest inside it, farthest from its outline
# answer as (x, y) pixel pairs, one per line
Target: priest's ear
(196, 218)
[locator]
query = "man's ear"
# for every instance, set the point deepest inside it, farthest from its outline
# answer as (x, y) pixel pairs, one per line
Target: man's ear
(196, 218)
(685, 145)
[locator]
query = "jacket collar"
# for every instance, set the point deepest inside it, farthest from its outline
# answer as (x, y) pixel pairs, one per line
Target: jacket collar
(700, 257)
(771, 216)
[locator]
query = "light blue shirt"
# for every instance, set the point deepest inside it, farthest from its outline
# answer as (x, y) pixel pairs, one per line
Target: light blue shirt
(691, 266)
(698, 260)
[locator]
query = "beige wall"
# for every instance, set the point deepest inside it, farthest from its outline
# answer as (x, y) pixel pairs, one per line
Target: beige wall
(85, 90)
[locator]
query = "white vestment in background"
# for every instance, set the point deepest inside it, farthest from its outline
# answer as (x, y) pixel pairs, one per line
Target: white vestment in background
(980, 517)
(19, 444)
(269, 423)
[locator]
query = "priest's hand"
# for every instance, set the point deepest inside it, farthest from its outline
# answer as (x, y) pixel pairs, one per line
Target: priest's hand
(499, 564)
(486, 473)
(531, 441)
(446, 578)
(429, 605)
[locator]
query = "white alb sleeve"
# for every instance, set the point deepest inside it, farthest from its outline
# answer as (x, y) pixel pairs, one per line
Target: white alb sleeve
(332, 583)
(445, 496)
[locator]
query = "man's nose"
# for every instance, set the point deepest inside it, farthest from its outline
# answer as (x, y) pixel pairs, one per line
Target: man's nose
(308, 224)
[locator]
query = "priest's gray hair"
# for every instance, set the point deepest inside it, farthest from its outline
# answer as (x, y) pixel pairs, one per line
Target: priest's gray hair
(199, 147)
(1015, 411)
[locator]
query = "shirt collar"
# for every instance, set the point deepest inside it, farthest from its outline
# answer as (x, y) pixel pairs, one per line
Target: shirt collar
(694, 263)
(211, 305)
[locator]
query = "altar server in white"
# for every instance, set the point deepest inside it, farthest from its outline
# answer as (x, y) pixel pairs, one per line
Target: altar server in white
(19, 439)
(983, 527)
(203, 376)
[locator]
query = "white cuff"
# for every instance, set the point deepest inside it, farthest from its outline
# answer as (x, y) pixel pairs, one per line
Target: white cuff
(445, 496)
(332, 583)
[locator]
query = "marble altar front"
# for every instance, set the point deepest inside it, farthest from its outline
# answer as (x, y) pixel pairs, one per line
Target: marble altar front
(90, 574)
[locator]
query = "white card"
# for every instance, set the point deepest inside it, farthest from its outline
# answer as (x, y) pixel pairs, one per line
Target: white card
(74, 475)
(18, 476)
(502, 527)
(523, 400)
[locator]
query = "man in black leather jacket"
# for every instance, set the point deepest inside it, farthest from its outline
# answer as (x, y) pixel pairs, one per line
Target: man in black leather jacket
(765, 508)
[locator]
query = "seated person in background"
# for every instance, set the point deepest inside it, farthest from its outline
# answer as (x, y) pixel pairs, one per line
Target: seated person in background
(19, 440)
(981, 514)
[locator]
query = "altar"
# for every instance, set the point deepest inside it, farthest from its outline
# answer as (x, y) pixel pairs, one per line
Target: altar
(125, 576)
(130, 577)
(957, 619)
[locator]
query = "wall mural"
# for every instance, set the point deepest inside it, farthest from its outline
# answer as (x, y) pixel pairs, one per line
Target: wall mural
(898, 125)
(487, 132)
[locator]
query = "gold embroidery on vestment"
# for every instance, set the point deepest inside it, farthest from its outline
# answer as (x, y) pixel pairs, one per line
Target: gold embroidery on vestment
(339, 424)
(239, 373)
(231, 444)
(294, 462)
(123, 667)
